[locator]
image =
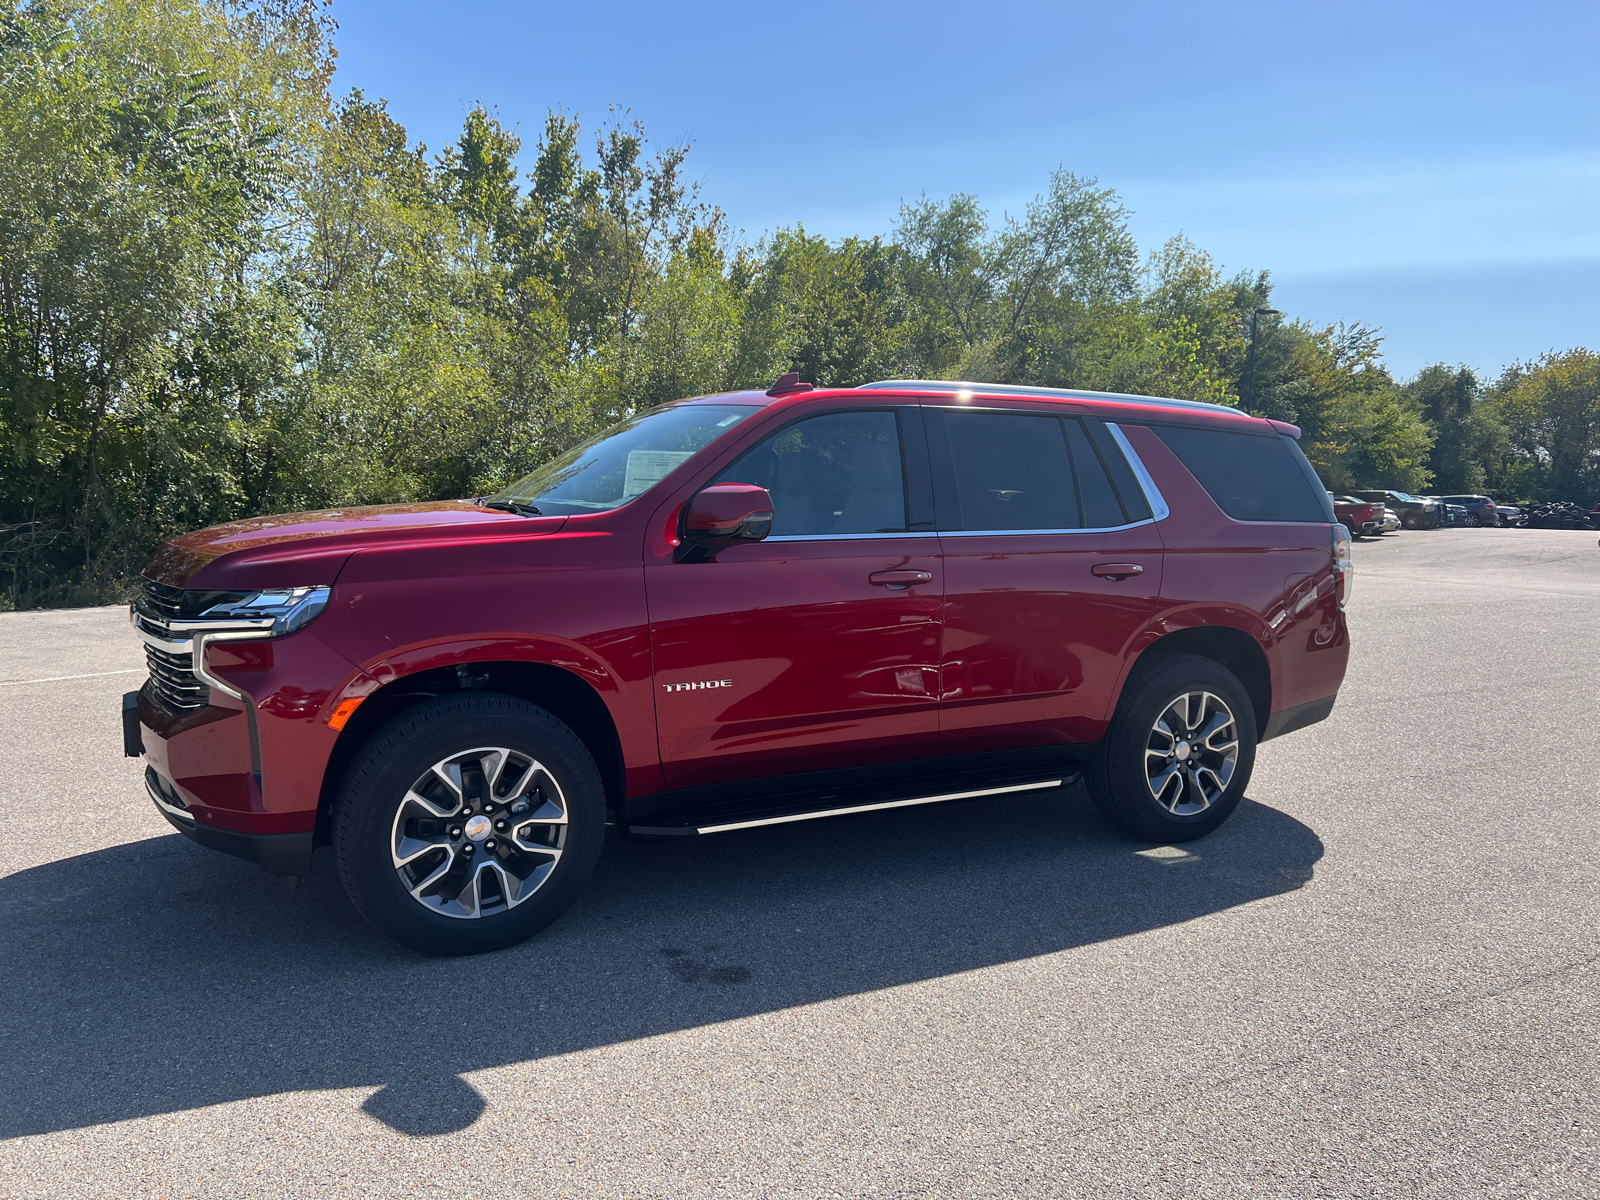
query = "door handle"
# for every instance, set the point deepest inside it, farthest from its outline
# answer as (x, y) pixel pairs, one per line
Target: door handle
(1116, 570)
(900, 580)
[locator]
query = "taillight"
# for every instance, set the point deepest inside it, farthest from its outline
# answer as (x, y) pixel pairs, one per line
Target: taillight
(1489, 505)
(1344, 563)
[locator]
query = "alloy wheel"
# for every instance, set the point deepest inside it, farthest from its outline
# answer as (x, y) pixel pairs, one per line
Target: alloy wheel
(1191, 753)
(479, 832)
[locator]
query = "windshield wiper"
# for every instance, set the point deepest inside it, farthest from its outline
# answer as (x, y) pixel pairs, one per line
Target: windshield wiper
(510, 506)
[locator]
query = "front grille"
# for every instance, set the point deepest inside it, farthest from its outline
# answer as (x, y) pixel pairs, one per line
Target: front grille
(172, 676)
(162, 601)
(172, 679)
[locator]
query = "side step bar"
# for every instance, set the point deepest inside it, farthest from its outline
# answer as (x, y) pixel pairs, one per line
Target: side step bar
(692, 828)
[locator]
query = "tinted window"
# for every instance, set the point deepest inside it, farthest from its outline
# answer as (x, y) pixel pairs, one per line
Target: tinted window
(1012, 471)
(837, 473)
(1251, 477)
(1134, 502)
(1101, 508)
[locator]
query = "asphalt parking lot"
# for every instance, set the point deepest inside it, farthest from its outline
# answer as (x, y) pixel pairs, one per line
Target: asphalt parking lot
(1379, 979)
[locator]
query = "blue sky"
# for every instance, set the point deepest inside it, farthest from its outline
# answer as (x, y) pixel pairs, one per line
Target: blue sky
(1430, 168)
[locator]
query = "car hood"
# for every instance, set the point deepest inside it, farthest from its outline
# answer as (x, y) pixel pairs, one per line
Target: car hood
(259, 552)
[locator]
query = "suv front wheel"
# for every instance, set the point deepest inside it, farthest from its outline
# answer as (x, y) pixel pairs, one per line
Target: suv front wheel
(1179, 753)
(469, 823)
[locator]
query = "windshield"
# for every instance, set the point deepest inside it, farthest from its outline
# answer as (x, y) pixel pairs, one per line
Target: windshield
(625, 461)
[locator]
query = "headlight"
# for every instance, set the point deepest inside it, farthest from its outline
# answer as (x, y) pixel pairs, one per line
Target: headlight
(288, 608)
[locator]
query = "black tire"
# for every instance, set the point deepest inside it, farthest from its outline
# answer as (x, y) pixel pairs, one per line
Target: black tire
(1475, 521)
(1117, 779)
(401, 754)
(1353, 531)
(1408, 521)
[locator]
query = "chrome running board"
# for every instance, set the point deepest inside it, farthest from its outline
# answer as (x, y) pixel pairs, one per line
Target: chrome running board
(646, 828)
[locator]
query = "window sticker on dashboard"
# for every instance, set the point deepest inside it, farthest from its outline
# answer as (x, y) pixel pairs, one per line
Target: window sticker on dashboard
(646, 468)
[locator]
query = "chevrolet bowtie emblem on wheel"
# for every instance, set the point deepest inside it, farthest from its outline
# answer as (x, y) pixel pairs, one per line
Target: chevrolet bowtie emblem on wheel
(697, 685)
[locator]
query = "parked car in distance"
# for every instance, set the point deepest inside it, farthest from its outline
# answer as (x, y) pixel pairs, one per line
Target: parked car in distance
(743, 610)
(1481, 510)
(1360, 517)
(1459, 515)
(1415, 512)
(1391, 522)
(1510, 515)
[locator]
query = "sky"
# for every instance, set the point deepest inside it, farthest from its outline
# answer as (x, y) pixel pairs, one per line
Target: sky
(1432, 169)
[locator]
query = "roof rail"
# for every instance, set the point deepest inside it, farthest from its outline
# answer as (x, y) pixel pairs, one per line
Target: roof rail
(1015, 389)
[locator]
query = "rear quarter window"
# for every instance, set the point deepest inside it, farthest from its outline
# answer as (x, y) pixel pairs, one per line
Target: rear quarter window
(1252, 477)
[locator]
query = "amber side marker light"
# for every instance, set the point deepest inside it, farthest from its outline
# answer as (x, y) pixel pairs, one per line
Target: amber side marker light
(344, 712)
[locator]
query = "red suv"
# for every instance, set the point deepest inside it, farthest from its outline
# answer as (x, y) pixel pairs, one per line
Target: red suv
(741, 610)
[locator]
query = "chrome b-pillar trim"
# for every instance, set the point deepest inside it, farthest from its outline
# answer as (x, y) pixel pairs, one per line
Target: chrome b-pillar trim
(1158, 503)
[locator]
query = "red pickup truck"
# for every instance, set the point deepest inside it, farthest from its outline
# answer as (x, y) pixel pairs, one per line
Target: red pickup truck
(742, 610)
(1358, 516)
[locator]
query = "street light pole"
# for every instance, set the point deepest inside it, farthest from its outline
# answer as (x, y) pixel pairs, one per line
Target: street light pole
(1254, 315)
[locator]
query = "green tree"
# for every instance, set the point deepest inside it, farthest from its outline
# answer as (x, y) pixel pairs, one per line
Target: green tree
(1466, 435)
(143, 159)
(987, 301)
(839, 310)
(1551, 413)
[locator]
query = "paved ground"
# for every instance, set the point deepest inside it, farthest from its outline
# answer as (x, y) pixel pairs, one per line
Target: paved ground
(1379, 979)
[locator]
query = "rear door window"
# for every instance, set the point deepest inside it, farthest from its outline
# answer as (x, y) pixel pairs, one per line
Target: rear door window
(1012, 471)
(1101, 507)
(1019, 471)
(1252, 477)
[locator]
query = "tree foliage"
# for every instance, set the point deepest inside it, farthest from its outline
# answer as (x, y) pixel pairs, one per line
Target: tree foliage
(1550, 412)
(225, 292)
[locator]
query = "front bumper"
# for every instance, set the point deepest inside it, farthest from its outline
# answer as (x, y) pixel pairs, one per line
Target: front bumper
(245, 775)
(275, 853)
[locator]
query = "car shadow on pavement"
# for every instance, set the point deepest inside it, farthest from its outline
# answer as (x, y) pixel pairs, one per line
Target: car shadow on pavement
(156, 977)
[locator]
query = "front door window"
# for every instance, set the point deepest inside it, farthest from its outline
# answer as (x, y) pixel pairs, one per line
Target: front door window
(838, 473)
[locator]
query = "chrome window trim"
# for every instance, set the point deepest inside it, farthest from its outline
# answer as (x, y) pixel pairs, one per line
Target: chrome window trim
(837, 537)
(1034, 532)
(1158, 503)
(846, 537)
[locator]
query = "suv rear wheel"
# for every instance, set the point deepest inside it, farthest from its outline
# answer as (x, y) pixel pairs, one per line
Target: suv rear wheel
(1179, 753)
(469, 823)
